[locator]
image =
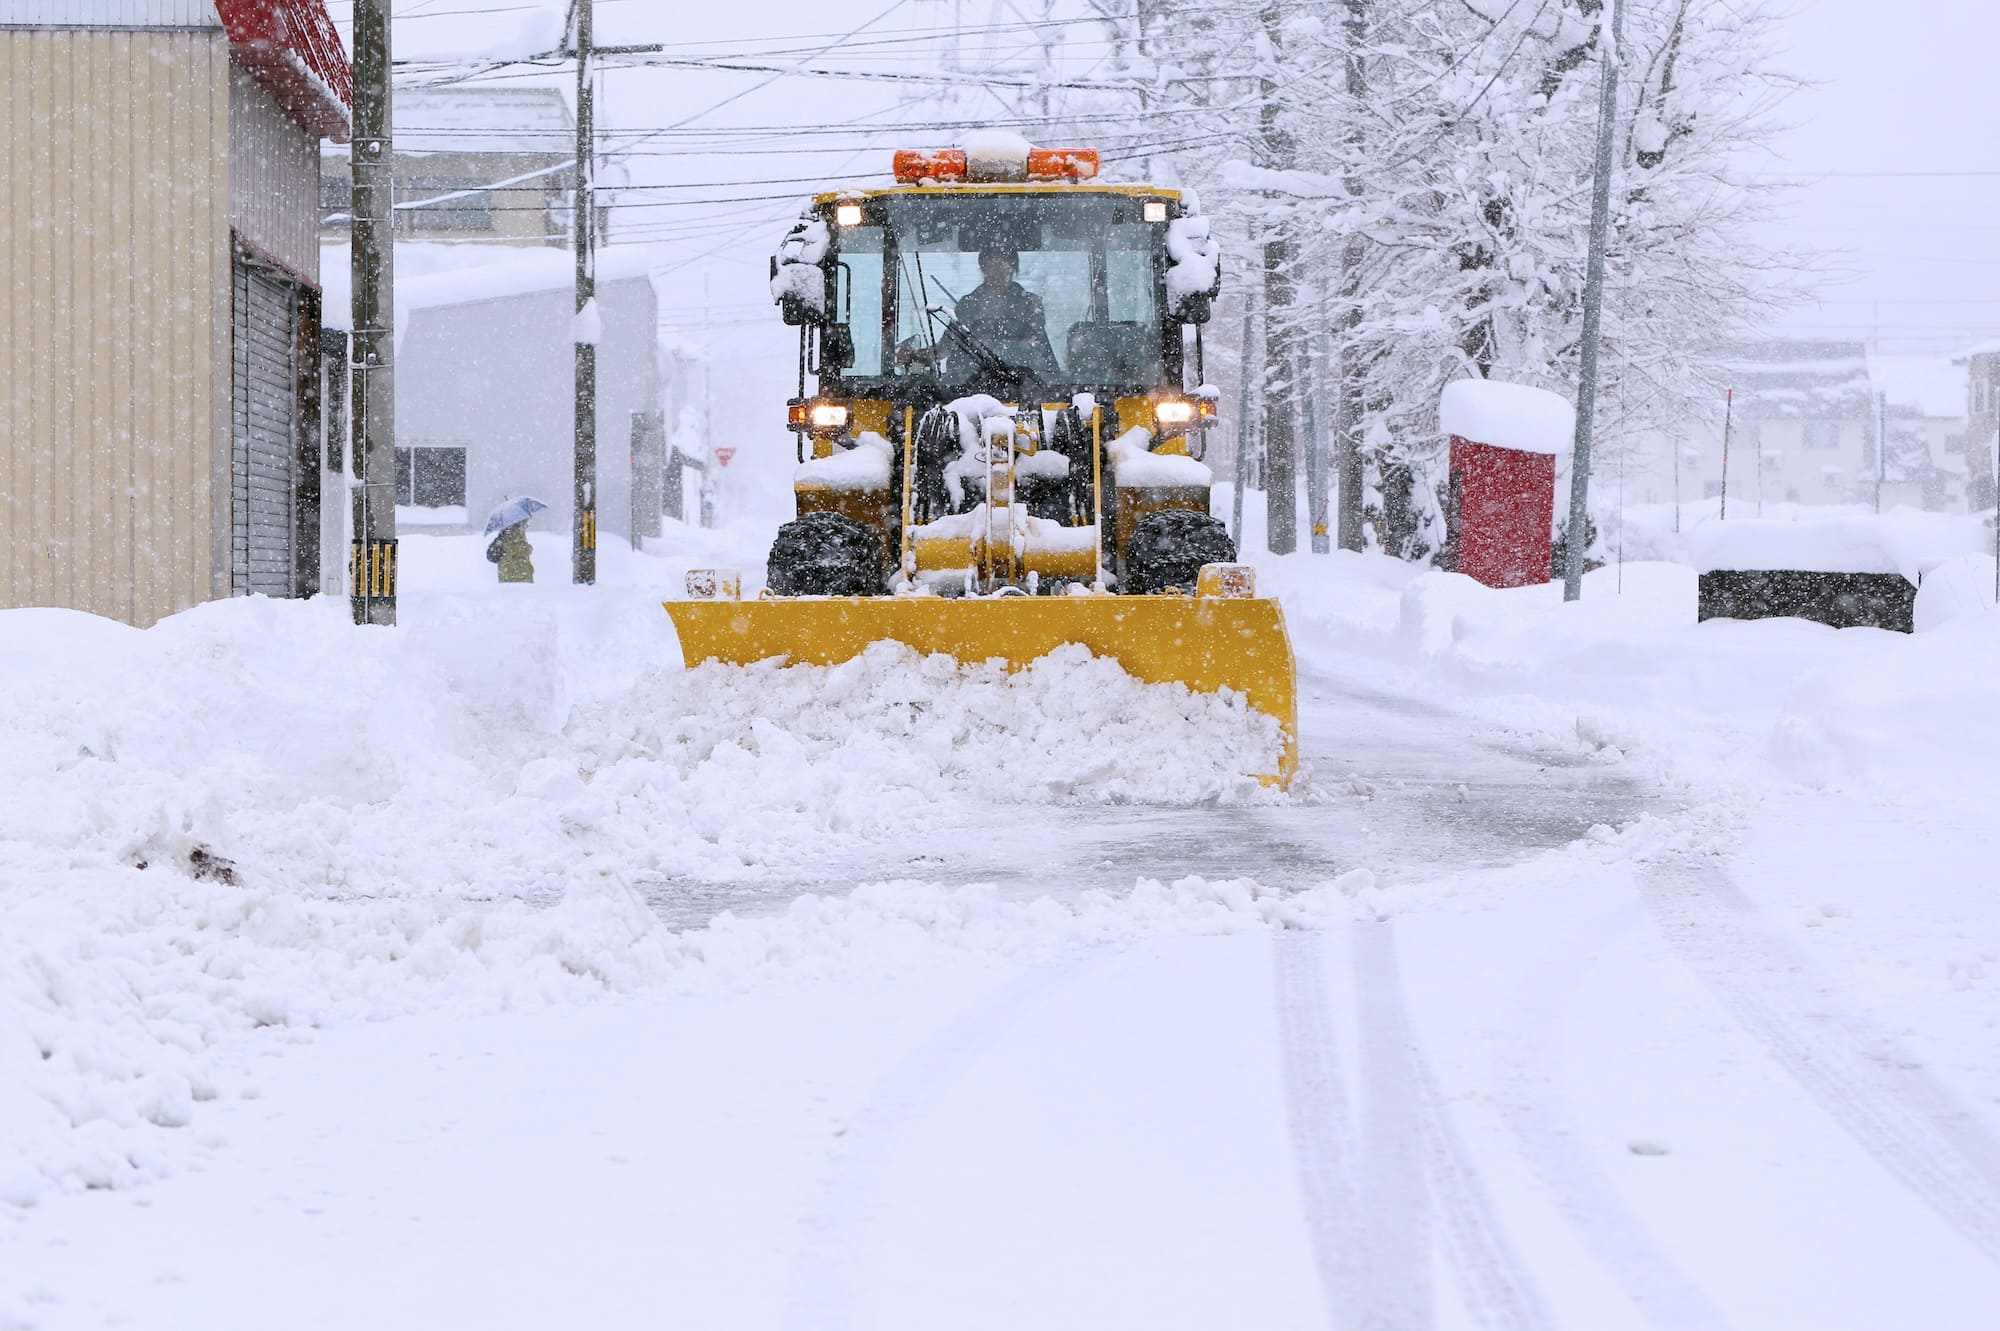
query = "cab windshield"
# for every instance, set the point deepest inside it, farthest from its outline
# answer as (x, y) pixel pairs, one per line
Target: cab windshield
(990, 292)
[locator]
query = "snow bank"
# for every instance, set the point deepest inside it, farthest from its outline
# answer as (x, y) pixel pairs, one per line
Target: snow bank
(866, 466)
(1134, 464)
(1907, 718)
(1955, 588)
(1839, 544)
(254, 819)
(1527, 420)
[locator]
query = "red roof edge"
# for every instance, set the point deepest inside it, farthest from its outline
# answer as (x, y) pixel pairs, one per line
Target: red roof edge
(291, 47)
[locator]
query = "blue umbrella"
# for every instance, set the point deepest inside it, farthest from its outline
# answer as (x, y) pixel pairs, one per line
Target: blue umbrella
(511, 512)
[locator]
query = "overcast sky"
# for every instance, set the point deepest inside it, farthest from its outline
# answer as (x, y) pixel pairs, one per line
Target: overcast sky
(1896, 88)
(1899, 87)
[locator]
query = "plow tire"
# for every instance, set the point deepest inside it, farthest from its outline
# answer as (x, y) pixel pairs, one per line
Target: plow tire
(825, 554)
(1168, 548)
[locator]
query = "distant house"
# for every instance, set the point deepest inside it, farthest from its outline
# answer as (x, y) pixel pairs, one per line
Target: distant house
(493, 165)
(485, 378)
(1926, 398)
(160, 375)
(1803, 430)
(1982, 423)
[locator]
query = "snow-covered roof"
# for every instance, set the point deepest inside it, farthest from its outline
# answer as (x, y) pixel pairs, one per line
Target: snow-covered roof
(1802, 379)
(1930, 386)
(432, 276)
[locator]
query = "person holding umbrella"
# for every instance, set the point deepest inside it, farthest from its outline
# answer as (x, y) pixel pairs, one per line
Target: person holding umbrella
(507, 546)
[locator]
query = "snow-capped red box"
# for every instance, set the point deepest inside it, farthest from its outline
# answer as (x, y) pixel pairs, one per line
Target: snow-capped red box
(915, 165)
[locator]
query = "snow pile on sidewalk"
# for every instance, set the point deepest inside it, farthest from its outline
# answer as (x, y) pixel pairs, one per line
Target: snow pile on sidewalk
(1727, 708)
(254, 817)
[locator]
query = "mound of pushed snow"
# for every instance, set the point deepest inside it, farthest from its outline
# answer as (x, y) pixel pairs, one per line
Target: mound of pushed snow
(891, 725)
(254, 819)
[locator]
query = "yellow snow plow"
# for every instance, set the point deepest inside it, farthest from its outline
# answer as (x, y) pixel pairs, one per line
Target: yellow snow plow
(1001, 448)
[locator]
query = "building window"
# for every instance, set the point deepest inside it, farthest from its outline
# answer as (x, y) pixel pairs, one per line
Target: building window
(1791, 494)
(430, 477)
(1711, 489)
(1978, 395)
(1821, 435)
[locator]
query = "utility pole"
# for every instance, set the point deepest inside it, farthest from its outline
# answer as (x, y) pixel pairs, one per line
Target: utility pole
(372, 557)
(1281, 499)
(1348, 407)
(1593, 309)
(1243, 432)
(583, 496)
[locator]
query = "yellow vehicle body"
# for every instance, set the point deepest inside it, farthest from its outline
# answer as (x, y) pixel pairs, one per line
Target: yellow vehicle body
(1207, 643)
(1030, 584)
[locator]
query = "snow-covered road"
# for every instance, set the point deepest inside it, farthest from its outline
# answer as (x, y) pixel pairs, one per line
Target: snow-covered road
(1401, 787)
(1546, 1007)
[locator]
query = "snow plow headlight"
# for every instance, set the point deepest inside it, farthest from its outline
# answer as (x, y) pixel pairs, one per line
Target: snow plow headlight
(1178, 415)
(847, 214)
(817, 416)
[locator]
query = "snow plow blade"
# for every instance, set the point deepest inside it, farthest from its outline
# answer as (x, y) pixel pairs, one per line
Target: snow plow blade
(1206, 643)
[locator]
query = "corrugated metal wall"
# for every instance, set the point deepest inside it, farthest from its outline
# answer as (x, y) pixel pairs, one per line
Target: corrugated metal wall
(274, 179)
(114, 336)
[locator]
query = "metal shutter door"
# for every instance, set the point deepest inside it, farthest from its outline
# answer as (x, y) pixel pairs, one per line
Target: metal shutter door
(264, 453)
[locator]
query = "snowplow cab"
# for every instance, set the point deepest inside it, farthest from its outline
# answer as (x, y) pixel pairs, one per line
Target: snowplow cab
(1000, 397)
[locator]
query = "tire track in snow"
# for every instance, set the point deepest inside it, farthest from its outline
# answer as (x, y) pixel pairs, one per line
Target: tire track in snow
(1383, 1187)
(1316, 1113)
(1550, 1145)
(820, 1293)
(1402, 1091)
(1877, 1093)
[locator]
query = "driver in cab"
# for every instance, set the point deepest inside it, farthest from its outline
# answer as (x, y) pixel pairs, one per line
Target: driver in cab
(1005, 315)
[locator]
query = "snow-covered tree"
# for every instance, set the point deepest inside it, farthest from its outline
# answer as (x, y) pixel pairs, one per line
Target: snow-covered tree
(1409, 183)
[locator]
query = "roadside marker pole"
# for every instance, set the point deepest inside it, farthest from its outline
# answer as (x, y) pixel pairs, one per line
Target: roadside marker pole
(1728, 410)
